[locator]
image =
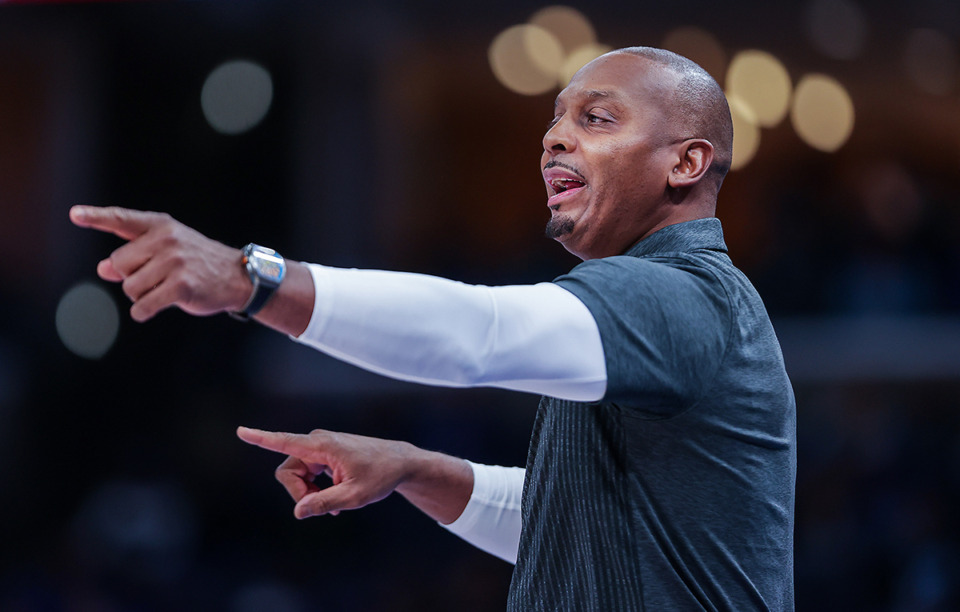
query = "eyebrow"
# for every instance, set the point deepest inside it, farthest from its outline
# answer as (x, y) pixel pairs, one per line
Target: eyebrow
(594, 94)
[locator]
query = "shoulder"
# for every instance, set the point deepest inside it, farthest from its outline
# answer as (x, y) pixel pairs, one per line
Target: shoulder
(669, 278)
(665, 323)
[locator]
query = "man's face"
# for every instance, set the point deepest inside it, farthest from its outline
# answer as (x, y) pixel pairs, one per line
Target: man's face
(606, 156)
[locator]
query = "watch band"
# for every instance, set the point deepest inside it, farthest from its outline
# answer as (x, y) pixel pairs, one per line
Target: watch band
(258, 299)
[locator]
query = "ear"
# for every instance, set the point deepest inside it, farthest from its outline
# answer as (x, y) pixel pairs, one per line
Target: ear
(694, 158)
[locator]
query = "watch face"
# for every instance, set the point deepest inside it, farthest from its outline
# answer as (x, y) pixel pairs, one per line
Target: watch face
(268, 265)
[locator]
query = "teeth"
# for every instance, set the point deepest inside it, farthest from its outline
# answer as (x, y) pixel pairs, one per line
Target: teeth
(565, 183)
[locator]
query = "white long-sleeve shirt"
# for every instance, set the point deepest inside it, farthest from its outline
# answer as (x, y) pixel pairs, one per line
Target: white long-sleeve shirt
(533, 338)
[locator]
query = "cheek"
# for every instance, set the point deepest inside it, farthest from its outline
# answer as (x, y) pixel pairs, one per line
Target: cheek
(623, 164)
(619, 185)
(639, 172)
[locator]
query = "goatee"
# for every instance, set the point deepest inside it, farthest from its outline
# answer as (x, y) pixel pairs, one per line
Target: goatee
(559, 225)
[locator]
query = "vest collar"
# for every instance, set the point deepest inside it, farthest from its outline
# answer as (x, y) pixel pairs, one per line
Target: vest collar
(682, 237)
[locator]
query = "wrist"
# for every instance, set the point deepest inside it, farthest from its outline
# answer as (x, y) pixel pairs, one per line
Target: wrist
(439, 485)
(241, 285)
(413, 465)
(292, 308)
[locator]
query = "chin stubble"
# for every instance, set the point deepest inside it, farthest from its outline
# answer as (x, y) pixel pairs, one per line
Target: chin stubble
(558, 226)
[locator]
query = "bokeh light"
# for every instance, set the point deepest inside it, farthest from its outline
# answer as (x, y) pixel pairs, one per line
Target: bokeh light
(822, 113)
(930, 58)
(746, 132)
(236, 96)
(836, 28)
(700, 46)
(545, 52)
(526, 59)
(759, 80)
(580, 58)
(87, 320)
(570, 27)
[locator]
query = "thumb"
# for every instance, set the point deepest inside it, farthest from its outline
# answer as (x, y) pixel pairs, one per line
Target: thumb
(331, 500)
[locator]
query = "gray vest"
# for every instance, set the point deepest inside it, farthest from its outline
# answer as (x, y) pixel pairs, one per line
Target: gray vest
(676, 490)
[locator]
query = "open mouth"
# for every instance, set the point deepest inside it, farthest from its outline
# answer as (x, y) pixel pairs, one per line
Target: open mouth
(562, 182)
(565, 184)
(563, 188)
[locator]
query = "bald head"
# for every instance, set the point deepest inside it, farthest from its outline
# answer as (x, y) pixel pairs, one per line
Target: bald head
(640, 140)
(698, 106)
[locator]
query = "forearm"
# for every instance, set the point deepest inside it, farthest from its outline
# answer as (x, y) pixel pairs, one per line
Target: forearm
(535, 338)
(439, 485)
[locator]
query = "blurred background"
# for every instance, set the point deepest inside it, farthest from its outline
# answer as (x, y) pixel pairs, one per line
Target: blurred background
(407, 136)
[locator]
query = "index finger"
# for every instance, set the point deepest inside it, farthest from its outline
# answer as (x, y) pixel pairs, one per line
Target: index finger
(296, 445)
(124, 222)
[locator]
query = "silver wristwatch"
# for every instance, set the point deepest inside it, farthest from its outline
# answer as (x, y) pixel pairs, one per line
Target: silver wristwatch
(266, 268)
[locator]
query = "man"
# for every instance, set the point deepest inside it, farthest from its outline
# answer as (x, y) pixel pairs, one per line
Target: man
(662, 464)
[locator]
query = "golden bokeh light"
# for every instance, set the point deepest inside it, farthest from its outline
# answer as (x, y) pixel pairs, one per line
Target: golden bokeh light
(526, 58)
(822, 113)
(759, 80)
(700, 46)
(570, 27)
(746, 132)
(580, 58)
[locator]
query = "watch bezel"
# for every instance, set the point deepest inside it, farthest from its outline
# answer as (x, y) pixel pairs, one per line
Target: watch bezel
(261, 262)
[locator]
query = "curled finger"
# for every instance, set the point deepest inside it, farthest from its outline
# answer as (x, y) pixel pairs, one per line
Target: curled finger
(107, 272)
(143, 280)
(152, 302)
(296, 477)
(327, 501)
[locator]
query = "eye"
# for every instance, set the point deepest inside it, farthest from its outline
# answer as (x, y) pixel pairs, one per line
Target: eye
(553, 122)
(597, 117)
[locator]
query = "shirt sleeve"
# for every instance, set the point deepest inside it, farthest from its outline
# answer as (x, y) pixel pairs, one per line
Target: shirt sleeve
(664, 324)
(491, 520)
(419, 328)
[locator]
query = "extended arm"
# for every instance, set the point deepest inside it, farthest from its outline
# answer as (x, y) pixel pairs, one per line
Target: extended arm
(364, 470)
(535, 338)
(479, 503)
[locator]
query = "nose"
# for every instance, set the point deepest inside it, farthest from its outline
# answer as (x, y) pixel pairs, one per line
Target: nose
(559, 137)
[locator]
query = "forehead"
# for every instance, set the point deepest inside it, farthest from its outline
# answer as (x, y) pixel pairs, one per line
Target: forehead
(627, 79)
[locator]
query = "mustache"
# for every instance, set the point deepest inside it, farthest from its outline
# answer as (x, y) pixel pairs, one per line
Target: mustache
(559, 164)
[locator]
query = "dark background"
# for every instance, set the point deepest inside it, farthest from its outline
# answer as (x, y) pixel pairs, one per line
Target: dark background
(390, 144)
